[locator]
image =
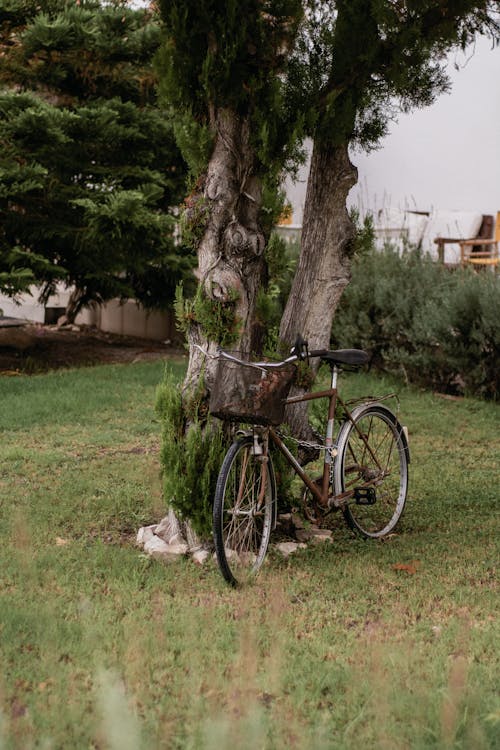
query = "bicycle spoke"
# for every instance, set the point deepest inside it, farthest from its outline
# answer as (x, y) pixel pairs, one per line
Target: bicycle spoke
(243, 512)
(373, 467)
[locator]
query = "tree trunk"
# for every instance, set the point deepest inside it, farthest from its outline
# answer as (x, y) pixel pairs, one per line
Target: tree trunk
(231, 266)
(324, 267)
(75, 304)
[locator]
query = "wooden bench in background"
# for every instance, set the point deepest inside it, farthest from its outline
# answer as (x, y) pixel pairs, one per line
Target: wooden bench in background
(482, 250)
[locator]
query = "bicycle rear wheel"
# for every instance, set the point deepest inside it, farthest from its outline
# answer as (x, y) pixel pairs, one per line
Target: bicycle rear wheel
(376, 471)
(243, 513)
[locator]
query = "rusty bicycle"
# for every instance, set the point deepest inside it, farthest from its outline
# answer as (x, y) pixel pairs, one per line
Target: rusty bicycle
(365, 461)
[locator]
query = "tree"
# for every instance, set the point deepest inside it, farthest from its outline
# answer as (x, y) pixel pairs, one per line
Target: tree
(221, 68)
(367, 60)
(246, 79)
(89, 169)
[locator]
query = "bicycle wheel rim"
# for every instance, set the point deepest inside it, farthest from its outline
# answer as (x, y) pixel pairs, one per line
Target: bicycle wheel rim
(378, 475)
(243, 512)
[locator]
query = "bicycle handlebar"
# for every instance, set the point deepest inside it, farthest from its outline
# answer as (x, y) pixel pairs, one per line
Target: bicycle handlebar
(259, 365)
(298, 351)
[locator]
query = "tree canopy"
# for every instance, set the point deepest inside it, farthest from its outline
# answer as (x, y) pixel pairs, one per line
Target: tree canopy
(89, 168)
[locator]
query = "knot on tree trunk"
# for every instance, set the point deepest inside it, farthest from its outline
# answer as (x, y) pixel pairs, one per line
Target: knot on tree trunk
(217, 187)
(241, 241)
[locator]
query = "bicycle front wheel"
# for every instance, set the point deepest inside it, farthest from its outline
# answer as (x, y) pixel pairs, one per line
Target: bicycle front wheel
(372, 463)
(243, 513)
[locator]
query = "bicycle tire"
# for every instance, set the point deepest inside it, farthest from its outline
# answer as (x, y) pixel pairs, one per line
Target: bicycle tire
(380, 491)
(243, 521)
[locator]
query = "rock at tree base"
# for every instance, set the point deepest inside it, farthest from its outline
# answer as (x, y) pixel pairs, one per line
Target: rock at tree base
(145, 534)
(156, 547)
(200, 556)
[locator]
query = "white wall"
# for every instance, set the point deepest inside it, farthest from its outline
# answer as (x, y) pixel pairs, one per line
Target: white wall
(444, 156)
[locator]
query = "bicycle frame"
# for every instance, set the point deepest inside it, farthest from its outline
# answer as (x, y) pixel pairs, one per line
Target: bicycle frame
(322, 495)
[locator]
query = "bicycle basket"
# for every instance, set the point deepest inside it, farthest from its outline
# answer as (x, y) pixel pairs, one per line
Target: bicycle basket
(248, 394)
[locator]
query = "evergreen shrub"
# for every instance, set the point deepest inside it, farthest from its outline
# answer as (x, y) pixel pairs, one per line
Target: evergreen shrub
(438, 327)
(191, 456)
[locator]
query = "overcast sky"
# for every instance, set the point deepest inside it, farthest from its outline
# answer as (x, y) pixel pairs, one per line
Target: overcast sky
(445, 156)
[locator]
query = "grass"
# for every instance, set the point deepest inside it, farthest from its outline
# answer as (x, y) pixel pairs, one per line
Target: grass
(391, 644)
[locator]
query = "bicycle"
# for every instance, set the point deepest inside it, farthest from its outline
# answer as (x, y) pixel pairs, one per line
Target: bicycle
(365, 469)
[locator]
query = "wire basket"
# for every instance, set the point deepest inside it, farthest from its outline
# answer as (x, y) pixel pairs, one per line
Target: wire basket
(250, 394)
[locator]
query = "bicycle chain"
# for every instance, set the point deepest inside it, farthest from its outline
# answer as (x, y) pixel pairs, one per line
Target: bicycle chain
(303, 443)
(322, 446)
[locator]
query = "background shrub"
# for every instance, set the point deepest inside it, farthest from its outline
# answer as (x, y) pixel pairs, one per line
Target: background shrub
(438, 327)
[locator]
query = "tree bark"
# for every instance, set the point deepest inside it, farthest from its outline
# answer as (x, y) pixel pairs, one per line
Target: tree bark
(231, 262)
(75, 303)
(231, 265)
(324, 267)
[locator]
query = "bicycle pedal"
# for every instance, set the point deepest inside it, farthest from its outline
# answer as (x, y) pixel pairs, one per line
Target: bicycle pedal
(365, 496)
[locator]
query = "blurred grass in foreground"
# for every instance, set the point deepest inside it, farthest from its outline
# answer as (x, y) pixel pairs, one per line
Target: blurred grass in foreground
(333, 648)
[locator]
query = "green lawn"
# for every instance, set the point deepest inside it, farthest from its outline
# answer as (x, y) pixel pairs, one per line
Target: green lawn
(336, 647)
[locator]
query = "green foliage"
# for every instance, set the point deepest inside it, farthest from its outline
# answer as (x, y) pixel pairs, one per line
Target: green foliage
(191, 456)
(305, 376)
(286, 482)
(183, 309)
(439, 328)
(216, 317)
(230, 55)
(81, 50)
(281, 258)
(356, 63)
(364, 241)
(194, 219)
(15, 281)
(88, 183)
(194, 141)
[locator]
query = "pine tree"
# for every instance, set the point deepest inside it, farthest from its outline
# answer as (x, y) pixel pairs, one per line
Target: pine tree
(89, 171)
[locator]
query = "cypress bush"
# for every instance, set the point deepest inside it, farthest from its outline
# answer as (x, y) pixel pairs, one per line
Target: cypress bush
(191, 456)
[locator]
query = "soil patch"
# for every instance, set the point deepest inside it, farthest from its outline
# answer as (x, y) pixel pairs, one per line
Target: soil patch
(52, 348)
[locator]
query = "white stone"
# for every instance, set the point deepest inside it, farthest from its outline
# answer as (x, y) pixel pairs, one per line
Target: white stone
(156, 547)
(231, 555)
(169, 528)
(200, 556)
(192, 538)
(288, 548)
(298, 521)
(169, 538)
(303, 535)
(145, 534)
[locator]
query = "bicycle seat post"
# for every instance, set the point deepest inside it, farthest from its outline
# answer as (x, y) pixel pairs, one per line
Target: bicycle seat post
(335, 373)
(329, 428)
